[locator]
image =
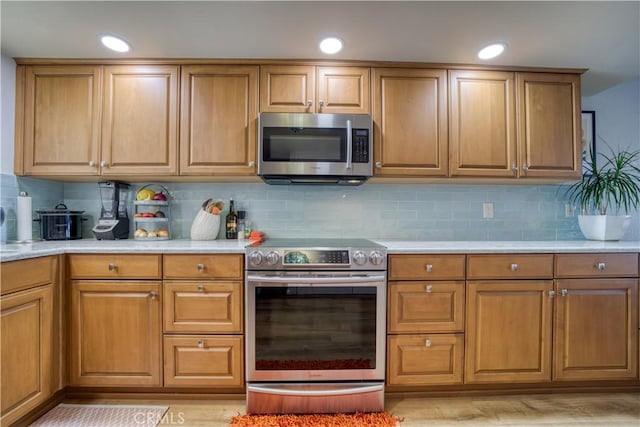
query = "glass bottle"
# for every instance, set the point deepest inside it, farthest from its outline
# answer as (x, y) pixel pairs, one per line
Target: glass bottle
(232, 222)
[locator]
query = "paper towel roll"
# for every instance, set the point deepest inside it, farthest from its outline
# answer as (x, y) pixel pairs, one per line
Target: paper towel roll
(24, 216)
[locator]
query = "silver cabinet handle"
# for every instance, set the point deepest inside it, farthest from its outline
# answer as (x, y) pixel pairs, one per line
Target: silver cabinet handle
(200, 344)
(601, 266)
(92, 164)
(514, 267)
(321, 103)
(514, 168)
(552, 294)
(153, 294)
(429, 268)
(378, 165)
(525, 168)
(200, 288)
(112, 267)
(251, 163)
(200, 267)
(429, 288)
(427, 342)
(103, 164)
(564, 292)
(309, 103)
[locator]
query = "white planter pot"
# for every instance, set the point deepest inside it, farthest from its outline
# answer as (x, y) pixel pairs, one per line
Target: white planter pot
(604, 227)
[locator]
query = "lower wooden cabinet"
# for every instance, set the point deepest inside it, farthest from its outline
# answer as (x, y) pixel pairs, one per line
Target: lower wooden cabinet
(116, 330)
(508, 333)
(426, 359)
(596, 329)
(204, 361)
(26, 352)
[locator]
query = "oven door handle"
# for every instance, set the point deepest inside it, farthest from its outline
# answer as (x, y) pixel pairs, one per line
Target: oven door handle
(274, 389)
(315, 280)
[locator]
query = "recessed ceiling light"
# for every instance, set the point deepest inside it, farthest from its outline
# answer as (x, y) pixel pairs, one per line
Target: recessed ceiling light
(331, 45)
(492, 50)
(115, 43)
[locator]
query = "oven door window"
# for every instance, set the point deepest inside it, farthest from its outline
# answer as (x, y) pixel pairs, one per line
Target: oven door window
(315, 328)
(304, 145)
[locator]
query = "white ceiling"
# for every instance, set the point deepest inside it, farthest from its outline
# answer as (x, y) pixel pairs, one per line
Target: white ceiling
(601, 36)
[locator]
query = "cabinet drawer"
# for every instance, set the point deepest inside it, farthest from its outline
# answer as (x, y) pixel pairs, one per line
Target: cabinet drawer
(115, 266)
(194, 266)
(203, 361)
(28, 273)
(426, 267)
(425, 359)
(203, 307)
(426, 307)
(596, 265)
(510, 266)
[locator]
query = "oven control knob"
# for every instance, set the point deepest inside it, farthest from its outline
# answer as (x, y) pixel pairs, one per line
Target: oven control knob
(376, 258)
(255, 258)
(272, 257)
(360, 258)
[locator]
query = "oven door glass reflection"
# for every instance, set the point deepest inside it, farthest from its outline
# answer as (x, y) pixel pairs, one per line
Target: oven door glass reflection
(315, 328)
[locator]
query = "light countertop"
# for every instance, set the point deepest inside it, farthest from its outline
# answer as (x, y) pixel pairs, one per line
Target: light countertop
(12, 252)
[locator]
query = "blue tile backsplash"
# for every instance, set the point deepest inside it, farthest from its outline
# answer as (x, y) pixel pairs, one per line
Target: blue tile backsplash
(377, 211)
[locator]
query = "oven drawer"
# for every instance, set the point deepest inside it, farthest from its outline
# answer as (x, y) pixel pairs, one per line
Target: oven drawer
(596, 265)
(115, 266)
(197, 266)
(430, 359)
(203, 307)
(426, 267)
(204, 361)
(426, 307)
(512, 266)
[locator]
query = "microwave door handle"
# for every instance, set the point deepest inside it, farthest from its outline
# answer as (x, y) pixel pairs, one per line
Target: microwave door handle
(349, 144)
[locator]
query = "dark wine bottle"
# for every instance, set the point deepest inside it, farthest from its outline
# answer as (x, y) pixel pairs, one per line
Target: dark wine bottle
(232, 222)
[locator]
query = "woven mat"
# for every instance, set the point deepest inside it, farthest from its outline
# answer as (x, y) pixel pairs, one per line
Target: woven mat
(67, 415)
(377, 419)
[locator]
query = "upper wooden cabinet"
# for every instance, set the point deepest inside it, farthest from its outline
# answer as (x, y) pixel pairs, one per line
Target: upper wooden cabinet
(140, 124)
(549, 125)
(218, 120)
(310, 89)
(482, 123)
(58, 119)
(410, 122)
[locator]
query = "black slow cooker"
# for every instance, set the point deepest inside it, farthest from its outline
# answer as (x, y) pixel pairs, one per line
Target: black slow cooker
(60, 223)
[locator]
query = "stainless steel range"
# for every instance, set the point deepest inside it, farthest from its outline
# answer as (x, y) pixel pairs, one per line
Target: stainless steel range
(315, 316)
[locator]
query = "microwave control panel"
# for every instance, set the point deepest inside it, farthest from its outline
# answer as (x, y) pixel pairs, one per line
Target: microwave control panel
(360, 146)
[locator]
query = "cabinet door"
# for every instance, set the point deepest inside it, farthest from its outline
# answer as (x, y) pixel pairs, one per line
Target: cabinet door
(410, 122)
(203, 361)
(344, 90)
(116, 333)
(596, 329)
(218, 120)
(288, 88)
(549, 125)
(26, 352)
(508, 331)
(59, 133)
(140, 126)
(482, 125)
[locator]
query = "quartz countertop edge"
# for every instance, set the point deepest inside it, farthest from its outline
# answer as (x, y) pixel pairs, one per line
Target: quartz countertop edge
(18, 251)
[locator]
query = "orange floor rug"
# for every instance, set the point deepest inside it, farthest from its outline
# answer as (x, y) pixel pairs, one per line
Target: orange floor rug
(377, 419)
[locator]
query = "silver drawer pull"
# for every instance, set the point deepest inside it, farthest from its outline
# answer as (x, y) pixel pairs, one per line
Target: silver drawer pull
(514, 267)
(429, 268)
(601, 266)
(153, 294)
(200, 288)
(112, 267)
(552, 294)
(429, 288)
(200, 267)
(200, 344)
(427, 342)
(564, 292)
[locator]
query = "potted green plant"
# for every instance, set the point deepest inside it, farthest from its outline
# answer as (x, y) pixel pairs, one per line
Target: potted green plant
(607, 194)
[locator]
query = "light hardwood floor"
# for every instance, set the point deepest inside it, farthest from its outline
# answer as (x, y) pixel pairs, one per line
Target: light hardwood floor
(611, 409)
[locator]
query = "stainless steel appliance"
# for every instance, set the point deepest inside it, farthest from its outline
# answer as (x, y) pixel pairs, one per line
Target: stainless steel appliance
(60, 223)
(114, 219)
(315, 318)
(299, 148)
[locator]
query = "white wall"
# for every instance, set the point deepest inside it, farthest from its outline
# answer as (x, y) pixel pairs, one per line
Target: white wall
(7, 112)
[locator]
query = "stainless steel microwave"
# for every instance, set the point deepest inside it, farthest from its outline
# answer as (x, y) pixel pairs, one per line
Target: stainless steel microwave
(303, 148)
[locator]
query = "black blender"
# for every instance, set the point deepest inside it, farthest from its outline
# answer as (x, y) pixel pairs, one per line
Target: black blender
(114, 220)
